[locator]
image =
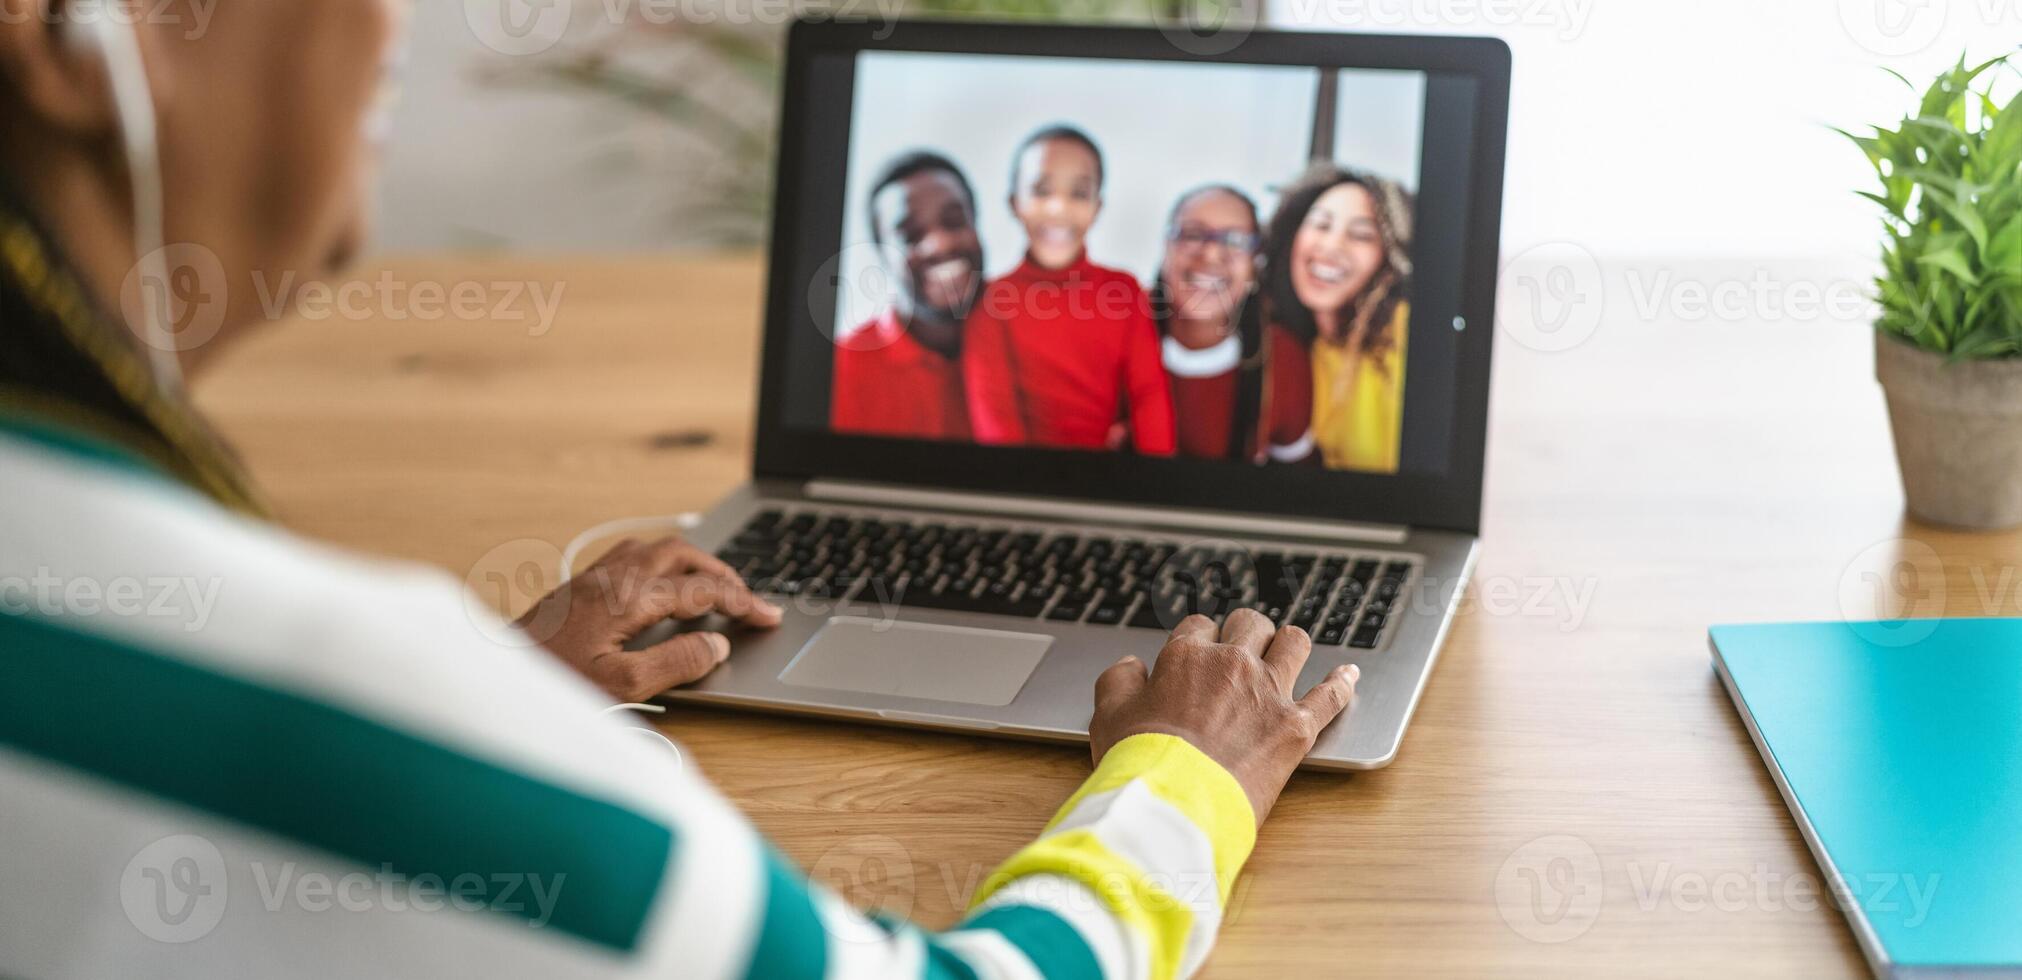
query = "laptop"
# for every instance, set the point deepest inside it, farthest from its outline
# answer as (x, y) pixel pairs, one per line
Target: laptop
(1046, 369)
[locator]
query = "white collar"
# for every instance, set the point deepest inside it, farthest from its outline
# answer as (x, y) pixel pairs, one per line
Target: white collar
(1185, 362)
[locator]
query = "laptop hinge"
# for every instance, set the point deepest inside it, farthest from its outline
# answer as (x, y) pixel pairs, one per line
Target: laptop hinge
(1077, 510)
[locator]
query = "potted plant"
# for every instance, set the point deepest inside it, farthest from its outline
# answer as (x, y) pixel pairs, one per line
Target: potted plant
(1948, 343)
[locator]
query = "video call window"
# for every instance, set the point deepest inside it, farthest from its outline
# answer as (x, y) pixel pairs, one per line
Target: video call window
(1204, 261)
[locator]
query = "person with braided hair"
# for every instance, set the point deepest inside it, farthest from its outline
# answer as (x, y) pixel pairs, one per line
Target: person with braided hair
(447, 792)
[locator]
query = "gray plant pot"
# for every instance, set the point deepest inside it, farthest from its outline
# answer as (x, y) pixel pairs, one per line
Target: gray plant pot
(1958, 431)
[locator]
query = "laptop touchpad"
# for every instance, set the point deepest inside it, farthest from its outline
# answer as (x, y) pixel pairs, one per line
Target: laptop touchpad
(918, 660)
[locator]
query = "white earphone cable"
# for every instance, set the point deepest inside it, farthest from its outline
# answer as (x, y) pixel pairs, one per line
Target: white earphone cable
(684, 521)
(680, 761)
(133, 98)
(622, 525)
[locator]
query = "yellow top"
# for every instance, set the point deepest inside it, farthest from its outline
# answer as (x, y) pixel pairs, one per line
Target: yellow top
(1358, 402)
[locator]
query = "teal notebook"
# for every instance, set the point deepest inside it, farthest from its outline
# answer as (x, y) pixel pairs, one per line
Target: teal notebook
(1898, 747)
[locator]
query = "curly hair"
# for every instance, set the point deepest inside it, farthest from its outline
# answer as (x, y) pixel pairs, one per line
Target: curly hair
(1374, 309)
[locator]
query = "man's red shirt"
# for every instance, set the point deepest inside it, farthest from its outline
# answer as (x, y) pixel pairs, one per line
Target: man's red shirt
(889, 384)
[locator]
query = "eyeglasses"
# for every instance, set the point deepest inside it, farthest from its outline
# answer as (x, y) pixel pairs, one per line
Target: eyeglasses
(1242, 242)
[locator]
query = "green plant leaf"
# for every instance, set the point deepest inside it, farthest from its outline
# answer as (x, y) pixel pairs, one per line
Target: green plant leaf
(2003, 253)
(1962, 212)
(1870, 146)
(1984, 342)
(1951, 185)
(1948, 92)
(1887, 205)
(1952, 260)
(2003, 140)
(1941, 93)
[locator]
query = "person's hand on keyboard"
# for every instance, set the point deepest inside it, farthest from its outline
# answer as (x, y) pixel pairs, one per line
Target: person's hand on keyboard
(588, 621)
(1228, 692)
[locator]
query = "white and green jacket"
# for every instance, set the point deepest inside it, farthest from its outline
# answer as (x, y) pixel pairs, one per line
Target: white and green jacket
(228, 752)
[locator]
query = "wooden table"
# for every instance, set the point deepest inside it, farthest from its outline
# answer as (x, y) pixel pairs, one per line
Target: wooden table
(1675, 470)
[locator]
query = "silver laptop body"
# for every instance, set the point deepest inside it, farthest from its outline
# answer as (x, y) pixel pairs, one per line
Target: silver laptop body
(885, 662)
(884, 554)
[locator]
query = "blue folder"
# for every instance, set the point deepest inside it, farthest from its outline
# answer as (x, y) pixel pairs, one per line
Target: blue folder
(1898, 748)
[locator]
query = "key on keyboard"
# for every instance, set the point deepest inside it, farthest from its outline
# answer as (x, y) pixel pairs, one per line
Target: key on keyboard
(872, 563)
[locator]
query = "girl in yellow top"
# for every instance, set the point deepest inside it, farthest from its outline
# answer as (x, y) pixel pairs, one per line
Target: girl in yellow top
(1339, 267)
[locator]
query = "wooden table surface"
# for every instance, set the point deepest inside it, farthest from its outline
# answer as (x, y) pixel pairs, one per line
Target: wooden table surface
(1575, 796)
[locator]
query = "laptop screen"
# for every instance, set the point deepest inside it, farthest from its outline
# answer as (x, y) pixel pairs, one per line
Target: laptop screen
(1222, 266)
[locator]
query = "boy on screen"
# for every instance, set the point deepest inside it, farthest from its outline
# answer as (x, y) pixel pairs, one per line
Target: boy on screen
(1059, 349)
(896, 375)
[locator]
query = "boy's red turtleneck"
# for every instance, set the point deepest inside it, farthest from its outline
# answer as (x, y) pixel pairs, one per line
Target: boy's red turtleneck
(1056, 357)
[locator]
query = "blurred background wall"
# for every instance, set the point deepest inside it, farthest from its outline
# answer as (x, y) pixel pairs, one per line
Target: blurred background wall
(1639, 128)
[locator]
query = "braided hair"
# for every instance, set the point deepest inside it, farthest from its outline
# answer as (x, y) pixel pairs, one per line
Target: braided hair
(65, 360)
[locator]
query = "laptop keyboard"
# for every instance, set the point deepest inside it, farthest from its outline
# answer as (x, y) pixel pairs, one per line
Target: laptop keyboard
(1062, 576)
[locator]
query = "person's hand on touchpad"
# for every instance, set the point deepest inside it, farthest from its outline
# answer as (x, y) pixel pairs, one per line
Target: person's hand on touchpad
(588, 621)
(1229, 694)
